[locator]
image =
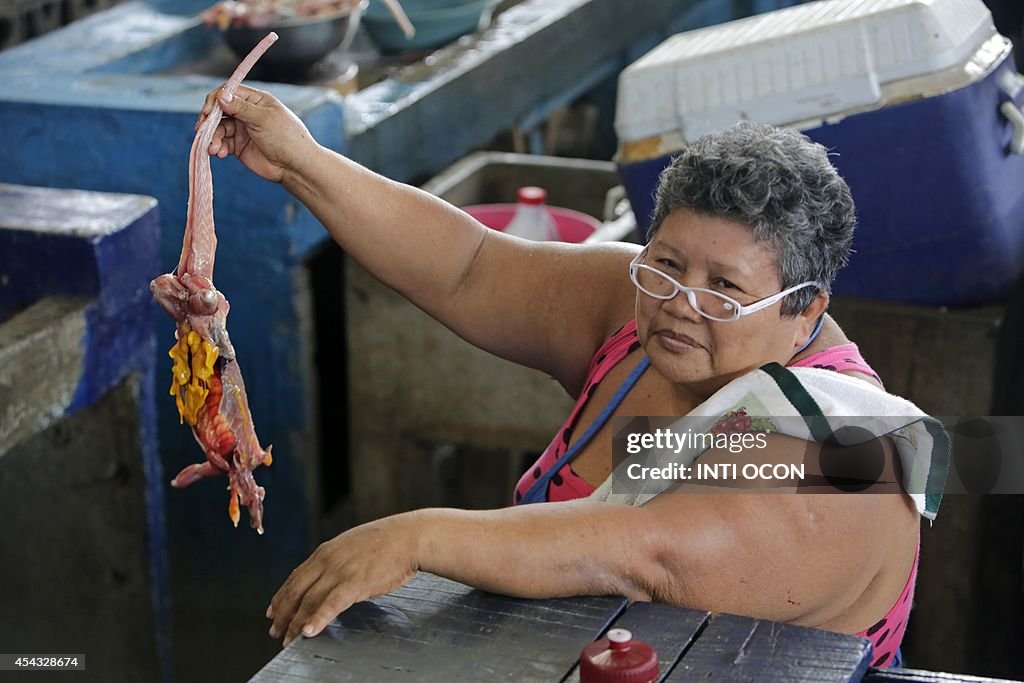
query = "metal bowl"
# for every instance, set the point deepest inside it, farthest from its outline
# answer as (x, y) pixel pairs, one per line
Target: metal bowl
(301, 42)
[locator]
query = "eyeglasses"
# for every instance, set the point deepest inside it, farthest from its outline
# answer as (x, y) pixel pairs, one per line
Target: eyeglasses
(709, 303)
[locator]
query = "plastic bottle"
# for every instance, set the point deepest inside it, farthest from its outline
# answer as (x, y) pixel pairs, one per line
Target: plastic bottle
(532, 220)
(617, 658)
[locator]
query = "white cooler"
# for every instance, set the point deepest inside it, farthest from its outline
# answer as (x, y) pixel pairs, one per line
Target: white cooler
(919, 99)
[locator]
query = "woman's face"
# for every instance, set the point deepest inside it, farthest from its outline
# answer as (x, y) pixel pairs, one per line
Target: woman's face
(720, 255)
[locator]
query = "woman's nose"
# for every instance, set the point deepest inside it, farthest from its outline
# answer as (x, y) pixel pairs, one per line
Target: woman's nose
(680, 307)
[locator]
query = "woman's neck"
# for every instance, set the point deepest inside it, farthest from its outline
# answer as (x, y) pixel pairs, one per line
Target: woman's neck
(830, 335)
(686, 397)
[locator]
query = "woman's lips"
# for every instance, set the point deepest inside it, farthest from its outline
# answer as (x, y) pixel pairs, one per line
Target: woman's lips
(675, 342)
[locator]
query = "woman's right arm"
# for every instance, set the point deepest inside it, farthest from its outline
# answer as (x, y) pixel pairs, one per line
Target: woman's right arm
(544, 305)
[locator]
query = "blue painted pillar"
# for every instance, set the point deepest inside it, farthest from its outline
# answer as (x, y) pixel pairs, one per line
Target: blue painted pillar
(70, 117)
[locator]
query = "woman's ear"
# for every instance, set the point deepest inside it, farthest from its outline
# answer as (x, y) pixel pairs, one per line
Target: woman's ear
(808, 320)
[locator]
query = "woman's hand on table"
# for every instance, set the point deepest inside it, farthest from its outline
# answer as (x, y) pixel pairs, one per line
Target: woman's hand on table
(362, 563)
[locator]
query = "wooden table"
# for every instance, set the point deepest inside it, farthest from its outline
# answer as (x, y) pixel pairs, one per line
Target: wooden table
(434, 629)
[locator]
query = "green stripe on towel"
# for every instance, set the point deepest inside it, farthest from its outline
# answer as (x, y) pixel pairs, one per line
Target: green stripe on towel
(938, 469)
(804, 403)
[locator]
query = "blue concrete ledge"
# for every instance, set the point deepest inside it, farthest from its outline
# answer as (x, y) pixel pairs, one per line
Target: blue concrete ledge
(97, 246)
(76, 314)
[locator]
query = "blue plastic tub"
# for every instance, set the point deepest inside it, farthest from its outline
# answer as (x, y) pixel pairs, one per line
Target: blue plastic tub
(437, 23)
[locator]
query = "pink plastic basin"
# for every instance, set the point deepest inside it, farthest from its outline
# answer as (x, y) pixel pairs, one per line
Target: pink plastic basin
(573, 226)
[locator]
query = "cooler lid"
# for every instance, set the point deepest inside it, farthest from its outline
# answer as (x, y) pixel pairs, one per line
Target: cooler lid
(805, 62)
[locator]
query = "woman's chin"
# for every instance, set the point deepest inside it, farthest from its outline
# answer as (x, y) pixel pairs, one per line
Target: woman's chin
(686, 369)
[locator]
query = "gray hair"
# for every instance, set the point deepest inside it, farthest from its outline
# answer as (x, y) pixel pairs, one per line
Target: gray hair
(778, 183)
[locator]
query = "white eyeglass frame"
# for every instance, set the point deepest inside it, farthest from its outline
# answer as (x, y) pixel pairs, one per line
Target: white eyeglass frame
(739, 309)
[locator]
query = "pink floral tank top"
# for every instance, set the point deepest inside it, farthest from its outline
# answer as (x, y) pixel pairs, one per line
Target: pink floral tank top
(886, 635)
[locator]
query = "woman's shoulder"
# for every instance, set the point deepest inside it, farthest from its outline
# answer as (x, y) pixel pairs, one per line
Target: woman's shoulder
(843, 358)
(607, 265)
(598, 295)
(619, 344)
(833, 350)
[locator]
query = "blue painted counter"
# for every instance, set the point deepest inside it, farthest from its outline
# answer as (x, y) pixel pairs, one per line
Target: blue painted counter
(93, 106)
(76, 361)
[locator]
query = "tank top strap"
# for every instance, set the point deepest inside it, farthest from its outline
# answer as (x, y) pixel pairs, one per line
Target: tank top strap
(537, 492)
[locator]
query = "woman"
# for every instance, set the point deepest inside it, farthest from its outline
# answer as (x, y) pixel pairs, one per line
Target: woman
(751, 227)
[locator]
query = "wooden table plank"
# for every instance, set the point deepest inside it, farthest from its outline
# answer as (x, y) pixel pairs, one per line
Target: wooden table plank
(915, 676)
(434, 629)
(669, 630)
(734, 648)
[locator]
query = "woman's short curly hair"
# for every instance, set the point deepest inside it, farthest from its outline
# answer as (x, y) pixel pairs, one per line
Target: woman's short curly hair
(780, 184)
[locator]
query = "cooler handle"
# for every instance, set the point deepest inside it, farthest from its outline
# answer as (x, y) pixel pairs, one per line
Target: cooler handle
(1014, 115)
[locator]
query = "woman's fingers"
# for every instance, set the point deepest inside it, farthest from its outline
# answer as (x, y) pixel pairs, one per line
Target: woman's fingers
(217, 141)
(251, 97)
(335, 591)
(324, 601)
(337, 601)
(211, 99)
(313, 597)
(361, 563)
(289, 597)
(224, 141)
(248, 105)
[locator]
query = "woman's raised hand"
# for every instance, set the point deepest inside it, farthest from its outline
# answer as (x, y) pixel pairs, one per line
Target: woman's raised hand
(265, 135)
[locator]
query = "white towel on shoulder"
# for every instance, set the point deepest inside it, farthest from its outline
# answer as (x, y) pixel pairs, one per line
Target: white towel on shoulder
(828, 402)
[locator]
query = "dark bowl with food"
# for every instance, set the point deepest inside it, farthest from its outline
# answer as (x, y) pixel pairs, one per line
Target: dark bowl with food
(302, 41)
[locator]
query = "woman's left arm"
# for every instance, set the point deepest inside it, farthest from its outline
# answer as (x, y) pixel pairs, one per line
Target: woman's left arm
(786, 557)
(554, 549)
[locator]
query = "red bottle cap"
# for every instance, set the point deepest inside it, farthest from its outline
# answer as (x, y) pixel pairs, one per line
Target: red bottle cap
(617, 658)
(535, 196)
